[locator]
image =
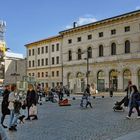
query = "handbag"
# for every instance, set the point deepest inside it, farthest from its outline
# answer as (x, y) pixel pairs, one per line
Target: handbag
(33, 110)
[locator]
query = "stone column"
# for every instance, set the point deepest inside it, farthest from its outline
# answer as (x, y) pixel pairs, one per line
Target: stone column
(106, 79)
(120, 81)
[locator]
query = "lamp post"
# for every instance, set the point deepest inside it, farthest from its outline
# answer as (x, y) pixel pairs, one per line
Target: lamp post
(87, 73)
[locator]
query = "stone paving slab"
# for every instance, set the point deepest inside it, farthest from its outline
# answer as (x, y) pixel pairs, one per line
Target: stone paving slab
(75, 123)
(131, 136)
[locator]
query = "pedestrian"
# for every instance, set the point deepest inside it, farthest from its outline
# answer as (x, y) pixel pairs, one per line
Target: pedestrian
(39, 92)
(61, 91)
(134, 97)
(31, 100)
(4, 105)
(88, 96)
(92, 89)
(14, 106)
(58, 91)
(125, 100)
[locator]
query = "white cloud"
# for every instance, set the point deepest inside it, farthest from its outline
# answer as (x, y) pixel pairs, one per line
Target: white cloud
(137, 8)
(83, 20)
(68, 26)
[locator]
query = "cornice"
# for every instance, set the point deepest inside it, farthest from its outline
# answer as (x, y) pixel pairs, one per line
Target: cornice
(101, 23)
(44, 41)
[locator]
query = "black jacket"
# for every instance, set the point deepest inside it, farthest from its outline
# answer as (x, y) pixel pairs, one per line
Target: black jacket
(5, 103)
(31, 98)
(134, 98)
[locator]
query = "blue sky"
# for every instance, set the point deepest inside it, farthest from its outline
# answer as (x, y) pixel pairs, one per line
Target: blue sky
(32, 20)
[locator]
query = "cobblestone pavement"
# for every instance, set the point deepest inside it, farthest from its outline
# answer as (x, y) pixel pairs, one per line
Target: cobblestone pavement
(75, 123)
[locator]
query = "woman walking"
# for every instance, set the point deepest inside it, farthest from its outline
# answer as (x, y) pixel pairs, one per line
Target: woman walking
(14, 106)
(5, 103)
(31, 99)
(134, 98)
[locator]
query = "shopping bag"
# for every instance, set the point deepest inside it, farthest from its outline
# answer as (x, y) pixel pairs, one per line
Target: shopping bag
(33, 110)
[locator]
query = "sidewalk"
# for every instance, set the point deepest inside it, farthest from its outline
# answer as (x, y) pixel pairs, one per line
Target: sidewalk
(106, 94)
(131, 136)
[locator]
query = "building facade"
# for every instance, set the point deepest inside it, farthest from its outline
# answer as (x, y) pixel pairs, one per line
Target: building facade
(44, 61)
(106, 53)
(14, 68)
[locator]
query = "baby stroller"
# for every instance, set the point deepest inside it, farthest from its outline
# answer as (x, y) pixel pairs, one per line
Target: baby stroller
(118, 107)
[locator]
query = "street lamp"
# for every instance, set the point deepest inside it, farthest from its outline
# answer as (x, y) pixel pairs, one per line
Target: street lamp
(88, 71)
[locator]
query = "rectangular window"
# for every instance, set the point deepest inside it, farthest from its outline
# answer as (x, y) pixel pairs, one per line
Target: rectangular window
(57, 60)
(38, 62)
(53, 48)
(46, 74)
(38, 74)
(52, 60)
(33, 63)
(101, 34)
(33, 74)
(89, 37)
(29, 52)
(57, 73)
(69, 41)
(57, 47)
(46, 61)
(53, 84)
(33, 52)
(42, 50)
(42, 62)
(79, 39)
(38, 50)
(46, 49)
(42, 74)
(127, 28)
(113, 32)
(52, 73)
(29, 64)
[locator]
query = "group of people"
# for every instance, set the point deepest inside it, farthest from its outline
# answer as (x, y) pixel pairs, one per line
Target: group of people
(15, 106)
(59, 90)
(131, 100)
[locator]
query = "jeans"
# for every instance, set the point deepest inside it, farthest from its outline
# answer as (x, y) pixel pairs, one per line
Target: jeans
(13, 118)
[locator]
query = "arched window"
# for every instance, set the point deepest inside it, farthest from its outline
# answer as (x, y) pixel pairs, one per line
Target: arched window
(126, 77)
(101, 51)
(89, 52)
(70, 55)
(113, 79)
(101, 80)
(79, 54)
(127, 46)
(113, 49)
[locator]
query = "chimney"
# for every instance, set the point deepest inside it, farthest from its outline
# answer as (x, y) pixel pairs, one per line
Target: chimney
(74, 24)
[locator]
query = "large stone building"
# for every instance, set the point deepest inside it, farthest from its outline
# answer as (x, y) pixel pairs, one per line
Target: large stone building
(44, 61)
(111, 48)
